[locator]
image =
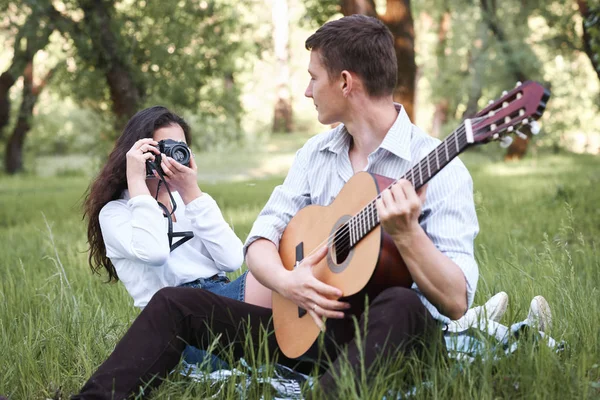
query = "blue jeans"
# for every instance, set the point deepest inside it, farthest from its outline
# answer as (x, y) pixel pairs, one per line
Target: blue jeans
(223, 287)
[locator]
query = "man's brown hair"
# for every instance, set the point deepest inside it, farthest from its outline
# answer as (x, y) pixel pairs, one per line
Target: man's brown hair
(360, 44)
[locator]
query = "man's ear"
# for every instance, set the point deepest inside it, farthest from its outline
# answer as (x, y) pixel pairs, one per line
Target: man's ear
(346, 82)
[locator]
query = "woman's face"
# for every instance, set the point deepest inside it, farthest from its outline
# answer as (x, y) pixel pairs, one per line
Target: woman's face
(174, 132)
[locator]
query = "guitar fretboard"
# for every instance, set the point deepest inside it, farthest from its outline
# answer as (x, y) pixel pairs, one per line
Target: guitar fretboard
(367, 219)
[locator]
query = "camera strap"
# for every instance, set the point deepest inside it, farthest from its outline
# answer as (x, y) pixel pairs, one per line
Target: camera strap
(186, 235)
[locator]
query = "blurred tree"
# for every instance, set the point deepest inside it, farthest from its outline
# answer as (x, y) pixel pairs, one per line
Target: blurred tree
(31, 37)
(110, 55)
(14, 147)
(442, 104)
(283, 113)
(591, 32)
(123, 56)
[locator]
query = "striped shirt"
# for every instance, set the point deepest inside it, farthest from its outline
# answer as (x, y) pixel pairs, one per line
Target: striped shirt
(322, 167)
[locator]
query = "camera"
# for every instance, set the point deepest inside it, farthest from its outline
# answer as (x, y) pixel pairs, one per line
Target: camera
(179, 151)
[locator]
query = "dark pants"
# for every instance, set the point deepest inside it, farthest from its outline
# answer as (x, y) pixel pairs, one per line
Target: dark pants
(397, 322)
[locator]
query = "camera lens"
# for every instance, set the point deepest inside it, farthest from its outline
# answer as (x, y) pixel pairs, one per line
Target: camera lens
(181, 154)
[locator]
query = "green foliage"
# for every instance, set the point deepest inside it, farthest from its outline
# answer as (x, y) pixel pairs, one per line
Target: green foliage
(319, 11)
(184, 55)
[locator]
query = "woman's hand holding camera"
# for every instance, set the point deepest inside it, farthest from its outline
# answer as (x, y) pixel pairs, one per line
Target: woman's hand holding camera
(142, 150)
(181, 178)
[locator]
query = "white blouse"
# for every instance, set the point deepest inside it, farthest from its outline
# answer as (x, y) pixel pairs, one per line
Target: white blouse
(135, 235)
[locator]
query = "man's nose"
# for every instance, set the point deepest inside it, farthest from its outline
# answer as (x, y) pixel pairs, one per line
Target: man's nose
(308, 91)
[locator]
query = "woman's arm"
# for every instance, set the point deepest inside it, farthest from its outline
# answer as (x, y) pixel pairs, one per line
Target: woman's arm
(210, 227)
(135, 230)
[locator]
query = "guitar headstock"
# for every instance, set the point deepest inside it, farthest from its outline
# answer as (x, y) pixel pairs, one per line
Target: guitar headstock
(521, 106)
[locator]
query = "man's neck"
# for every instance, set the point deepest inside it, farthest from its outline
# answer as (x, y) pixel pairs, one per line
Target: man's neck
(368, 123)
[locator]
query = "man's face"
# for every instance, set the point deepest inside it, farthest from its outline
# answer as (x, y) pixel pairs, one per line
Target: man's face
(326, 93)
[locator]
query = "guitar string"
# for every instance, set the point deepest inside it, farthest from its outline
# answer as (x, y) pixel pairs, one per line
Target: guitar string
(370, 210)
(345, 226)
(341, 238)
(342, 231)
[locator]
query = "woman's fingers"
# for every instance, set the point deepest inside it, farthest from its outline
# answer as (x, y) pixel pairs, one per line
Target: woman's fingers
(141, 142)
(148, 156)
(146, 148)
(176, 165)
(166, 170)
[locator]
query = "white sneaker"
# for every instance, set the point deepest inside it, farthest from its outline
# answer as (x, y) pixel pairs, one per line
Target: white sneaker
(539, 314)
(493, 309)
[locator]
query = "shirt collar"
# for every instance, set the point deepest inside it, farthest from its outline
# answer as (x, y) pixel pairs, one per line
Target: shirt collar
(340, 140)
(396, 141)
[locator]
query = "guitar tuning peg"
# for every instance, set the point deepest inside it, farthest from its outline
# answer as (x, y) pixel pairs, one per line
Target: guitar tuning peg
(504, 93)
(518, 84)
(521, 135)
(491, 102)
(506, 141)
(534, 127)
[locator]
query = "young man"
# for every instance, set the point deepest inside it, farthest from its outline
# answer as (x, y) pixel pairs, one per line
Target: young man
(353, 74)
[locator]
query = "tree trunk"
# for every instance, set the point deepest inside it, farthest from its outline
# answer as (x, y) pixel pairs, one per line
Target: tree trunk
(124, 92)
(14, 147)
(283, 114)
(398, 19)
(364, 7)
(476, 66)
(34, 36)
(7, 80)
(584, 10)
(440, 115)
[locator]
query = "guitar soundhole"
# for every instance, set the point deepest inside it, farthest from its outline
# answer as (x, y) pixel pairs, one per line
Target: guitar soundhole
(341, 246)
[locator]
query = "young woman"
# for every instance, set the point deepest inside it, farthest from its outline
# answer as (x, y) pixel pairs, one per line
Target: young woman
(128, 231)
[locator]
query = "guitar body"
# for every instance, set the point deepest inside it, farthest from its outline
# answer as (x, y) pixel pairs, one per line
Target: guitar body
(370, 266)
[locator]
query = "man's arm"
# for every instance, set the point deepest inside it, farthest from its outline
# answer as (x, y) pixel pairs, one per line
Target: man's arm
(436, 275)
(262, 256)
(438, 251)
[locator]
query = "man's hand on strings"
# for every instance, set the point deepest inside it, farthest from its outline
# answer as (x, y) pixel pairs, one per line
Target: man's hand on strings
(309, 293)
(399, 208)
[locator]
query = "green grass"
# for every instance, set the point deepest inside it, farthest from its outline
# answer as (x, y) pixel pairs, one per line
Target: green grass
(540, 223)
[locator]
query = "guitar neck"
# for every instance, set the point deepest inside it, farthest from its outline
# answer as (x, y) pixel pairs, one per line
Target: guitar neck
(434, 162)
(367, 219)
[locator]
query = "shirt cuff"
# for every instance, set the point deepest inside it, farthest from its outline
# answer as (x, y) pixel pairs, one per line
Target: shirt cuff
(469, 267)
(270, 234)
(200, 206)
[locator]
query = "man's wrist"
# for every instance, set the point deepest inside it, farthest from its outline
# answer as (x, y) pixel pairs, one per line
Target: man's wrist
(407, 239)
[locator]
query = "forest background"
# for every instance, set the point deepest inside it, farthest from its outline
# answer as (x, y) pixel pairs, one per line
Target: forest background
(73, 71)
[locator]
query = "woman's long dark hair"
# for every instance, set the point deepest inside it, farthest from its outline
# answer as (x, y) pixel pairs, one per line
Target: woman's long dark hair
(112, 179)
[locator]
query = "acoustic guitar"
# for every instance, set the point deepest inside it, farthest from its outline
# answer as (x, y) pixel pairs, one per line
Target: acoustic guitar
(362, 259)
